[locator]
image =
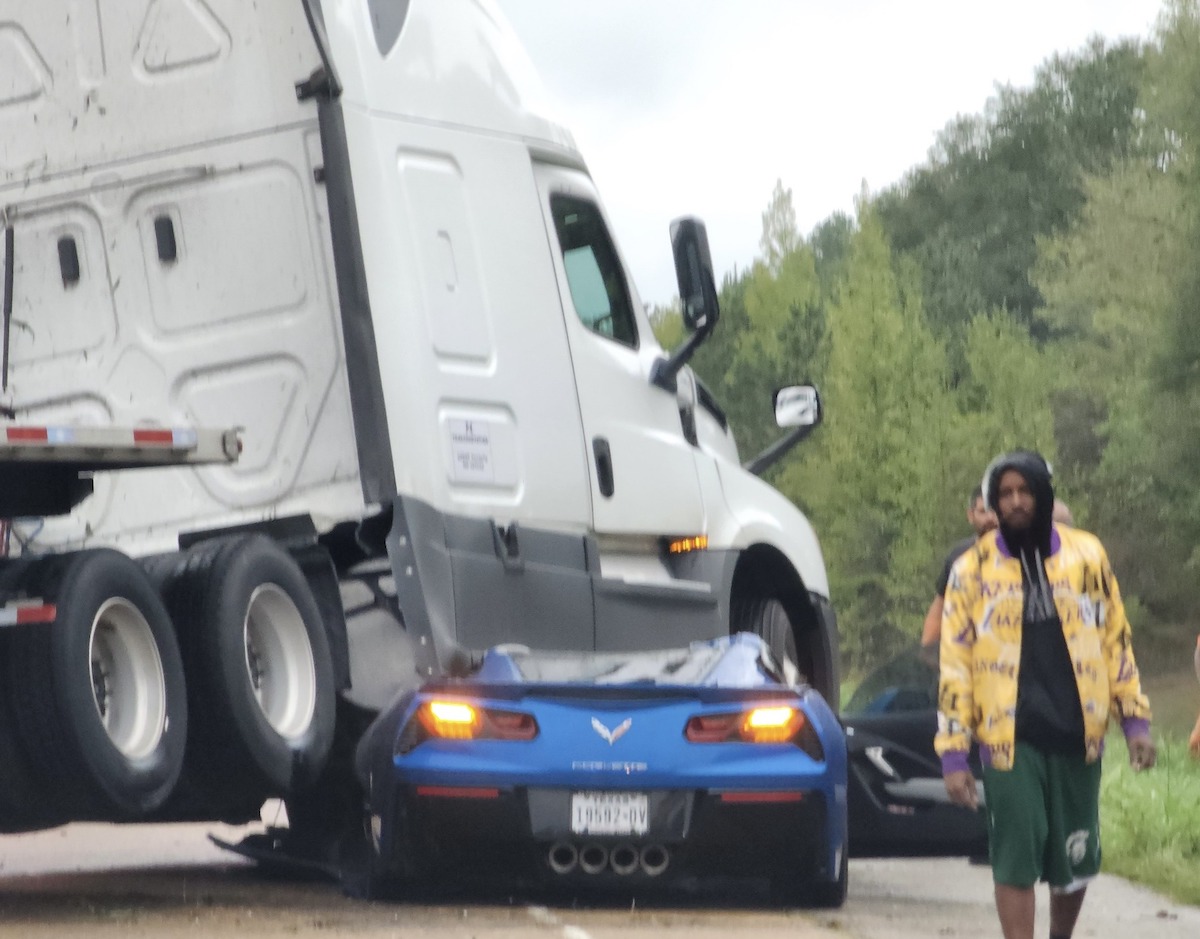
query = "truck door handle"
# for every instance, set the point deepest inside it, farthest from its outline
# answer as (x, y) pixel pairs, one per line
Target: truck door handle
(508, 546)
(604, 467)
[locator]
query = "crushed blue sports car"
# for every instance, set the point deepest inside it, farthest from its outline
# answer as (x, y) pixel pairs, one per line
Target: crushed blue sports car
(614, 768)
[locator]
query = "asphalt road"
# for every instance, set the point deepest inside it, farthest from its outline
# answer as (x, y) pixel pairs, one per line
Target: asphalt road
(101, 881)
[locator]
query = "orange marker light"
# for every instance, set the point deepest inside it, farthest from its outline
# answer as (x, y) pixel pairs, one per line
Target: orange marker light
(451, 720)
(684, 545)
(772, 724)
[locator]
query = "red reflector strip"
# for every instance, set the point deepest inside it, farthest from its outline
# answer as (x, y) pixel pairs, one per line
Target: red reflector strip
(20, 615)
(154, 436)
(27, 433)
(749, 797)
(458, 792)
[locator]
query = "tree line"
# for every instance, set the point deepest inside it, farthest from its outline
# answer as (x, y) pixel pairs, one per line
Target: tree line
(1034, 283)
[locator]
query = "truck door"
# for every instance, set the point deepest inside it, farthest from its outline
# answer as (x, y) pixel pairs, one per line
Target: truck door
(643, 469)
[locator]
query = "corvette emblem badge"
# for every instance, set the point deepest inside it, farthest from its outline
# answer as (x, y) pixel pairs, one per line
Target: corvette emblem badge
(612, 736)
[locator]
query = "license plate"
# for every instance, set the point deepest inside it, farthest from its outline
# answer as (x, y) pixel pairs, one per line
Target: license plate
(610, 813)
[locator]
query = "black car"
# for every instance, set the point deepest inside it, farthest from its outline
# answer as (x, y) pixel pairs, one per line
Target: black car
(898, 805)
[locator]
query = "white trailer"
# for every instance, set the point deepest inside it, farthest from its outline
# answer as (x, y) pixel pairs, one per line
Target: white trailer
(346, 234)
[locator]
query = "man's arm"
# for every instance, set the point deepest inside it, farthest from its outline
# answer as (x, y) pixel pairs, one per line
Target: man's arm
(955, 684)
(931, 632)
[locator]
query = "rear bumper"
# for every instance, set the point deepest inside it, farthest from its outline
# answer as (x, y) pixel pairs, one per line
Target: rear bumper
(515, 830)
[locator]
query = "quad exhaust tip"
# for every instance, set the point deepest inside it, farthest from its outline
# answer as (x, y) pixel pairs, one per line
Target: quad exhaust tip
(624, 859)
(592, 858)
(654, 859)
(563, 857)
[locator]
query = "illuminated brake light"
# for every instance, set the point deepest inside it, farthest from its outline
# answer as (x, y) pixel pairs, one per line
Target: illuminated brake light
(771, 724)
(778, 724)
(684, 545)
(451, 720)
(460, 720)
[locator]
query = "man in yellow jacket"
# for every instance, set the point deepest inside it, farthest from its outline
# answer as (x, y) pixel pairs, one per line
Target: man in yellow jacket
(1036, 658)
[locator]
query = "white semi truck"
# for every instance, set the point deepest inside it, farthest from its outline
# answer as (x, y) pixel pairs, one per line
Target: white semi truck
(322, 373)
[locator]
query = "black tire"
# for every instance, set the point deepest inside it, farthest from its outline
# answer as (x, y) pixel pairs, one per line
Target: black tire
(800, 887)
(258, 667)
(767, 617)
(379, 879)
(829, 894)
(99, 695)
(325, 817)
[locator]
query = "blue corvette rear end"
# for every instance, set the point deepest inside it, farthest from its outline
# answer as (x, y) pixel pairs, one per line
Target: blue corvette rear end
(613, 767)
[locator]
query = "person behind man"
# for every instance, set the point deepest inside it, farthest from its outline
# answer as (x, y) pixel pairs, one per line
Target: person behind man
(1062, 514)
(1035, 657)
(983, 520)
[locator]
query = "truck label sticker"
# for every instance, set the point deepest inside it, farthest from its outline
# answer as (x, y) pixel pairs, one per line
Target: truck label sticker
(471, 452)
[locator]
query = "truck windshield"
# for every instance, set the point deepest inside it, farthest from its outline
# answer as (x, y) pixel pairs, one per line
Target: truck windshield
(597, 283)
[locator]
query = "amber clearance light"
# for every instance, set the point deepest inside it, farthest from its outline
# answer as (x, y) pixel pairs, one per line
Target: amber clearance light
(684, 545)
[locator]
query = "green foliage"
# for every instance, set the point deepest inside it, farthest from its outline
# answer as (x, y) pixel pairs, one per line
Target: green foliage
(1034, 284)
(1008, 384)
(667, 323)
(999, 181)
(877, 451)
(1150, 821)
(780, 237)
(771, 332)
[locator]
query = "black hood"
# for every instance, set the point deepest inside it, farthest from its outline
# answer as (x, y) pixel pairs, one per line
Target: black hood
(1037, 473)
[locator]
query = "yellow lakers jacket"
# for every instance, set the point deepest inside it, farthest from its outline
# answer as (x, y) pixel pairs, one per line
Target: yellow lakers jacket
(981, 647)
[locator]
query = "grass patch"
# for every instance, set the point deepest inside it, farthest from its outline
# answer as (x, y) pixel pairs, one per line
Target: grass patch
(1150, 821)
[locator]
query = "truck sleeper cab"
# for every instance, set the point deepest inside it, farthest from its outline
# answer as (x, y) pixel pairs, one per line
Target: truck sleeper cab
(347, 229)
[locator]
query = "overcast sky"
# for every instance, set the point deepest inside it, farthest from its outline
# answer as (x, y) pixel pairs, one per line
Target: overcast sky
(696, 107)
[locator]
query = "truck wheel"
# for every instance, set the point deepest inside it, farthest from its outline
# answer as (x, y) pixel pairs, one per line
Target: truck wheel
(768, 618)
(99, 694)
(258, 666)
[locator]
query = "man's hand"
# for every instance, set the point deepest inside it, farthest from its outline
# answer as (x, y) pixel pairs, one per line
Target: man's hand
(1142, 754)
(960, 786)
(1194, 740)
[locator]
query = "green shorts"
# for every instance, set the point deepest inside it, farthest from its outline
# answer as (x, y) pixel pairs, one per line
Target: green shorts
(1044, 819)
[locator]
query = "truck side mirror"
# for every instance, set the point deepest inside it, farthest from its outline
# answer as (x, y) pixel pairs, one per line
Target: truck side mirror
(697, 296)
(694, 274)
(797, 407)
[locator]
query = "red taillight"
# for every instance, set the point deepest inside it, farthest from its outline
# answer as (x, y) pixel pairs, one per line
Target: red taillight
(777, 724)
(512, 725)
(712, 728)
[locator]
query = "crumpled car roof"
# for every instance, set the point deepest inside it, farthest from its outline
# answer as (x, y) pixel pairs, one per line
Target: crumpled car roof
(742, 660)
